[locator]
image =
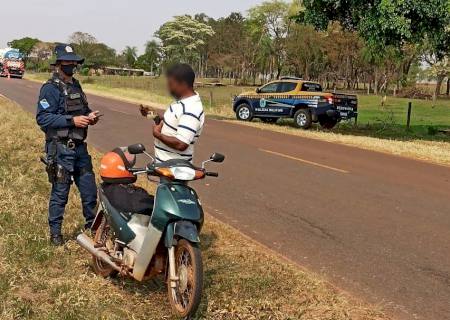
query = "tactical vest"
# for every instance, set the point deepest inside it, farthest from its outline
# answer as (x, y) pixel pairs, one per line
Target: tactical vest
(75, 104)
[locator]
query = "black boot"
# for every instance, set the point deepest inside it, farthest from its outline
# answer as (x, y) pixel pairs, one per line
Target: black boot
(56, 239)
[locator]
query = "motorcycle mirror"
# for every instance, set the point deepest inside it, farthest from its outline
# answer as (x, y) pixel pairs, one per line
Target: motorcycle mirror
(137, 148)
(217, 157)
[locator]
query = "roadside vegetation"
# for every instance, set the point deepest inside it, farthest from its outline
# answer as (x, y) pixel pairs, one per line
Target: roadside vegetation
(38, 281)
(298, 38)
(381, 124)
(378, 116)
(347, 53)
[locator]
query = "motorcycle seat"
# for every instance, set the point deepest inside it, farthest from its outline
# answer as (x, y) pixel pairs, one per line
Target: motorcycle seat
(129, 199)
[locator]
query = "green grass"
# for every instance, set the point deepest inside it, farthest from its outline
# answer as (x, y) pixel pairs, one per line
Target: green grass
(387, 122)
(37, 281)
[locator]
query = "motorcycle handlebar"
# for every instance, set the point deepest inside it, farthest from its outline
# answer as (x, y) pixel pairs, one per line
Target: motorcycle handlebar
(146, 170)
(138, 170)
(212, 174)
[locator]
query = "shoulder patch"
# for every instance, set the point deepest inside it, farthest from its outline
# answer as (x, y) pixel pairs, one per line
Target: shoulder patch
(44, 104)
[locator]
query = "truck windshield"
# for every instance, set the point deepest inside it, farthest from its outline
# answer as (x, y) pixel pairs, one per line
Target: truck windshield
(311, 86)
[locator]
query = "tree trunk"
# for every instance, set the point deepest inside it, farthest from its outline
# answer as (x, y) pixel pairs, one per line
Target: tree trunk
(375, 82)
(448, 86)
(437, 91)
(278, 72)
(306, 75)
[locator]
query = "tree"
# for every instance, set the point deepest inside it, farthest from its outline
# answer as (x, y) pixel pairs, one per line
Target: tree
(182, 38)
(25, 45)
(83, 43)
(82, 38)
(224, 53)
(96, 54)
(40, 56)
(151, 57)
(100, 56)
(384, 23)
(439, 69)
(272, 19)
(394, 31)
(130, 55)
(306, 52)
(436, 53)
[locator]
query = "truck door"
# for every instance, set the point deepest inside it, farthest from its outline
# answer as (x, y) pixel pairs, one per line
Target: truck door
(286, 98)
(266, 96)
(275, 100)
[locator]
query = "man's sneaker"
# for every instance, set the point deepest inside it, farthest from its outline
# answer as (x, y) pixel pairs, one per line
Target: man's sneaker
(56, 239)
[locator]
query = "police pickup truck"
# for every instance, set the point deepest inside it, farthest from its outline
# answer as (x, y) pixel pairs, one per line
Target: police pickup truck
(304, 101)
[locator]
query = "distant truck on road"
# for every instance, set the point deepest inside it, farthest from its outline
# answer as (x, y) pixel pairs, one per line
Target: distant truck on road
(304, 101)
(11, 63)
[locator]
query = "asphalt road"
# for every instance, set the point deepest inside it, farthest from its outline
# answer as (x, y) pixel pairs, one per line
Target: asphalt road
(375, 225)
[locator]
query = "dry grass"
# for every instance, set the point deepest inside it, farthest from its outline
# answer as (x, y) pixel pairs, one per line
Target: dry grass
(38, 281)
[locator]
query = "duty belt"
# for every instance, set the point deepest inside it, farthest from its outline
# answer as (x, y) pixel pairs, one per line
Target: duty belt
(70, 143)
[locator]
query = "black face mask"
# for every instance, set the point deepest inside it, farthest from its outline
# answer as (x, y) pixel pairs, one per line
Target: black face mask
(69, 69)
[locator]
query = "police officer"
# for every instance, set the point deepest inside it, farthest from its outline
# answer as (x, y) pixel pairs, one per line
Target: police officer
(64, 115)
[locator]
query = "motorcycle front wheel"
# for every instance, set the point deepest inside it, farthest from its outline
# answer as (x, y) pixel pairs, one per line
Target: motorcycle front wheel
(185, 298)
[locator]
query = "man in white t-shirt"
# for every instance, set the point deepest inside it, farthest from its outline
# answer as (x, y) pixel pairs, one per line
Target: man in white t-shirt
(183, 121)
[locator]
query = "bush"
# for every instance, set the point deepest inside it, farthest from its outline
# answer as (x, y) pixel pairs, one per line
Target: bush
(415, 92)
(88, 80)
(432, 131)
(38, 66)
(84, 72)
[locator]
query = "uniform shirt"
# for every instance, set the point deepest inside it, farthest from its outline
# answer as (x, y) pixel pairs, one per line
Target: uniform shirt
(183, 120)
(51, 112)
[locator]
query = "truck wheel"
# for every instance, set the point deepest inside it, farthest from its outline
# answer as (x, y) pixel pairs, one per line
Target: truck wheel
(302, 119)
(327, 122)
(244, 112)
(269, 120)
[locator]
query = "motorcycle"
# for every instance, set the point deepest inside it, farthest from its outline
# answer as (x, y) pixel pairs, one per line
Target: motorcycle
(164, 239)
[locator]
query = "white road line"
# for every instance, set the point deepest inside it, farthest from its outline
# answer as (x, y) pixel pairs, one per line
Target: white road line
(305, 161)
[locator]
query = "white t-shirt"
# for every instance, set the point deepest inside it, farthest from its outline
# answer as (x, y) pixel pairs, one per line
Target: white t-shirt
(183, 120)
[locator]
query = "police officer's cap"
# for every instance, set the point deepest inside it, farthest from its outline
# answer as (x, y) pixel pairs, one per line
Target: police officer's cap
(65, 52)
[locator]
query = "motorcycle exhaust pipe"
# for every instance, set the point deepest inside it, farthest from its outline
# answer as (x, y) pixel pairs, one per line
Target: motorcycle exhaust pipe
(87, 243)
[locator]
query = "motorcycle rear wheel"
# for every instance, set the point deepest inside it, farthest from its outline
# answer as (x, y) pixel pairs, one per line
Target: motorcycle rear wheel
(102, 236)
(186, 297)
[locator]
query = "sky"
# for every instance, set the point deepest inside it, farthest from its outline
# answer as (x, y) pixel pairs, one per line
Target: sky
(117, 23)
